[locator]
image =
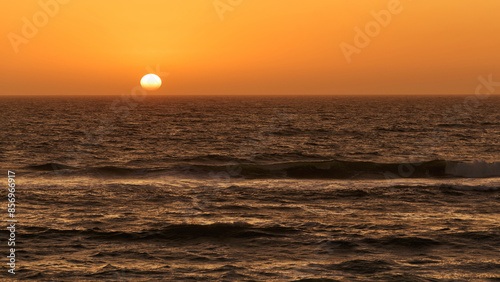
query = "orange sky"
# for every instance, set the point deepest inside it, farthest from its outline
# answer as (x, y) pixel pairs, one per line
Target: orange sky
(266, 47)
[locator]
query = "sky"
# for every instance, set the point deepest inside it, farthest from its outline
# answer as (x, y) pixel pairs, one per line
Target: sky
(258, 47)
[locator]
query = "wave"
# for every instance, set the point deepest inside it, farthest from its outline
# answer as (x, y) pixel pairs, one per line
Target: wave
(402, 242)
(356, 170)
(483, 188)
(181, 232)
(477, 169)
(360, 266)
(49, 167)
(332, 169)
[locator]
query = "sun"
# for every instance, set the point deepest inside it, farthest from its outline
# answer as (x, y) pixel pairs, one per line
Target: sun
(151, 82)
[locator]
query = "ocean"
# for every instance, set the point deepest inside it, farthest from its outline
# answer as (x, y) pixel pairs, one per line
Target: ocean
(214, 188)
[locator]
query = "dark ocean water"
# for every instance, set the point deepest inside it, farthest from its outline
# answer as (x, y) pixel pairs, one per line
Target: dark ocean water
(254, 188)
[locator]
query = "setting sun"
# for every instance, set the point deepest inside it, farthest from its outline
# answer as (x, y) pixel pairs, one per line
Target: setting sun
(151, 82)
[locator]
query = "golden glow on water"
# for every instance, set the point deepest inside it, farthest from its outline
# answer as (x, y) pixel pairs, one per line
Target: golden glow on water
(170, 191)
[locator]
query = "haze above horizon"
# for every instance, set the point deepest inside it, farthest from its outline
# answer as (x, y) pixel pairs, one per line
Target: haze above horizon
(318, 47)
